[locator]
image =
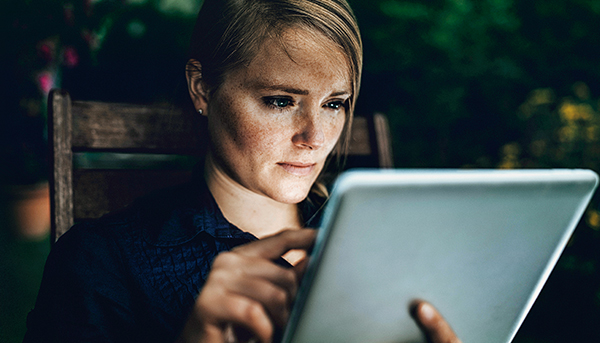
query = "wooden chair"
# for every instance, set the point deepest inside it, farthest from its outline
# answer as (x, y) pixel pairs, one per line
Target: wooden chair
(104, 155)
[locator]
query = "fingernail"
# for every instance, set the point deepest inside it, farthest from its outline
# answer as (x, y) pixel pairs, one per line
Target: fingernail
(427, 311)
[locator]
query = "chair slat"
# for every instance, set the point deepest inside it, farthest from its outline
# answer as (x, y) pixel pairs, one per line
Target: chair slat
(359, 139)
(384, 140)
(61, 160)
(126, 127)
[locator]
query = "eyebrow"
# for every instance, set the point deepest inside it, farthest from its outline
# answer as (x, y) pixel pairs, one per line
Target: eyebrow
(291, 90)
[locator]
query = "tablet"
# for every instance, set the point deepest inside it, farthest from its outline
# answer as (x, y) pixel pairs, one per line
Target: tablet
(477, 244)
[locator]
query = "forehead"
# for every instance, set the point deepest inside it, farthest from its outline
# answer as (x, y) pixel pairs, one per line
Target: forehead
(301, 57)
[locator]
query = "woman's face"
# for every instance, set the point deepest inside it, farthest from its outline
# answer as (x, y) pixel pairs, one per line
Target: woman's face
(273, 123)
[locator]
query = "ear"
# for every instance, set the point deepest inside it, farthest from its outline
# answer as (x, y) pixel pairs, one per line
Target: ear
(196, 85)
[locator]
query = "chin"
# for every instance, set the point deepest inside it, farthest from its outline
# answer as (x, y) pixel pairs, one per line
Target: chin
(291, 195)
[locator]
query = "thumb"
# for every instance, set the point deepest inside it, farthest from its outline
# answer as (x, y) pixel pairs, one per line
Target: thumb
(431, 322)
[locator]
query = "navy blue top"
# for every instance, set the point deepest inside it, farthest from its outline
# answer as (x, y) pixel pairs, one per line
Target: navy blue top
(132, 276)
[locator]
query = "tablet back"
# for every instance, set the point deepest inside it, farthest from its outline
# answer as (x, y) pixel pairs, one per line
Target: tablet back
(479, 245)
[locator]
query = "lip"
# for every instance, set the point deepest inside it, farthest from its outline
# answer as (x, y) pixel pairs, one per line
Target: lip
(297, 168)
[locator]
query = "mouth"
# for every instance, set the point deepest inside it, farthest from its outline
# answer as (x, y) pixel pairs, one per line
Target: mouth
(297, 168)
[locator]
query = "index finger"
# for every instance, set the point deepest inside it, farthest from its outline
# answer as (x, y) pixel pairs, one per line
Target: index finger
(274, 246)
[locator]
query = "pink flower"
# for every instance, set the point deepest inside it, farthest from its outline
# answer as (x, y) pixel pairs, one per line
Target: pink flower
(45, 51)
(45, 81)
(69, 14)
(70, 57)
(88, 7)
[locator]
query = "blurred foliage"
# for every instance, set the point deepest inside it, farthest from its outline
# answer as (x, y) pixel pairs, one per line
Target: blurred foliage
(131, 50)
(31, 58)
(135, 49)
(497, 84)
(451, 74)
(464, 83)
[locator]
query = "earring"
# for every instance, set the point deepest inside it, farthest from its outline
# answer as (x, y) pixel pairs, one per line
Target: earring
(200, 111)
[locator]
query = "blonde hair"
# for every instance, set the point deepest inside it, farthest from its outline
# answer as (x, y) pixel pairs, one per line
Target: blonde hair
(229, 33)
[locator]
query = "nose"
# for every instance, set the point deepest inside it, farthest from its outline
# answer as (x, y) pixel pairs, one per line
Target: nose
(310, 134)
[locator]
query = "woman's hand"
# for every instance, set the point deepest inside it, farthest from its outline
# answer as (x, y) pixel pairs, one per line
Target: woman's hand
(247, 289)
(433, 325)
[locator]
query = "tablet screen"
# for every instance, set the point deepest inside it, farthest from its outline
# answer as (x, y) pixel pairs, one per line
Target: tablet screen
(476, 244)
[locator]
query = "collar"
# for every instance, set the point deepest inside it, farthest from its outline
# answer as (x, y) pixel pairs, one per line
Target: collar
(177, 215)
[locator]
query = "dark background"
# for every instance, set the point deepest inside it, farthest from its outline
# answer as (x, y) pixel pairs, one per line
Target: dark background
(464, 83)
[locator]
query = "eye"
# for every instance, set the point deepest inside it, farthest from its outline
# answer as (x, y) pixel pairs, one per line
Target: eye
(335, 105)
(278, 102)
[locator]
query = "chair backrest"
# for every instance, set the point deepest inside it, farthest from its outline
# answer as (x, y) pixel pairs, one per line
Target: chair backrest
(104, 155)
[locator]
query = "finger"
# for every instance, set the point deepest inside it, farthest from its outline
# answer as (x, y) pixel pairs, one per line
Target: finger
(271, 285)
(239, 334)
(294, 256)
(275, 299)
(274, 246)
(300, 268)
(239, 310)
(434, 326)
(229, 267)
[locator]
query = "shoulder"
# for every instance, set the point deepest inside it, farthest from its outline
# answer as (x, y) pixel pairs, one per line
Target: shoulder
(125, 271)
(161, 215)
(120, 241)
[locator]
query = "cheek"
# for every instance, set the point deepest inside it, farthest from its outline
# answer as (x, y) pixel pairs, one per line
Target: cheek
(258, 138)
(333, 130)
(241, 130)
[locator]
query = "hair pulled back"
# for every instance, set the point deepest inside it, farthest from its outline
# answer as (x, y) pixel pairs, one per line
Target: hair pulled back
(229, 33)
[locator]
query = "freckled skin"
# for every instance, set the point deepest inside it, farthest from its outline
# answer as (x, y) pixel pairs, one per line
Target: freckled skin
(251, 137)
(268, 120)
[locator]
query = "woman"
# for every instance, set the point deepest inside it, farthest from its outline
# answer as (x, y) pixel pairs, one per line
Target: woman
(220, 259)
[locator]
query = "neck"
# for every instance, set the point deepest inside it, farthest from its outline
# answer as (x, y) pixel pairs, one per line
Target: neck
(251, 212)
